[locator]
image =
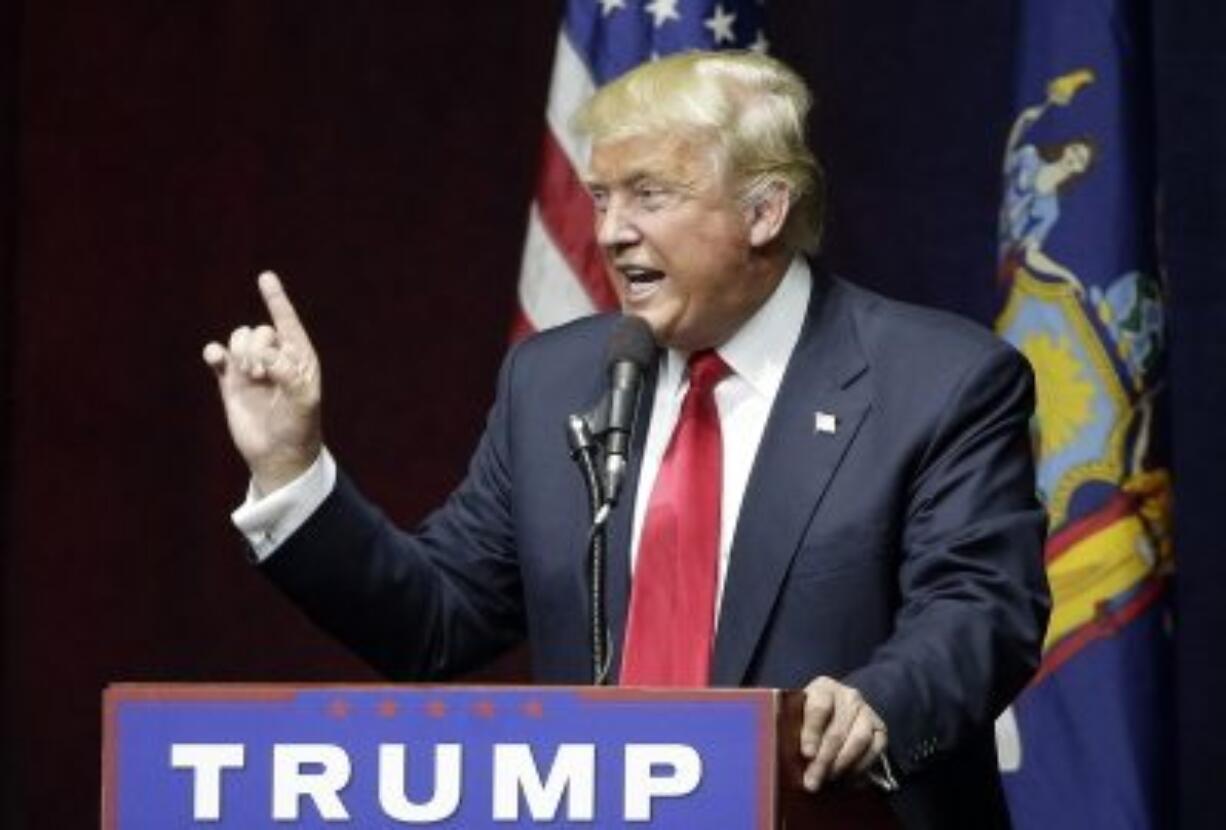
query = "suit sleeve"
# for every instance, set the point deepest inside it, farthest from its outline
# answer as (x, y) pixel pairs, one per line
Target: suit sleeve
(425, 605)
(974, 596)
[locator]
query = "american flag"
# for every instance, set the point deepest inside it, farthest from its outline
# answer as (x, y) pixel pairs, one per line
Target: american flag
(561, 276)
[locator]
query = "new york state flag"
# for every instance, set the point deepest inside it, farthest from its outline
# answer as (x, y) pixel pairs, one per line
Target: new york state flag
(1087, 744)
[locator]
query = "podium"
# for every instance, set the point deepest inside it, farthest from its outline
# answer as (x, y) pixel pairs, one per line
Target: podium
(375, 756)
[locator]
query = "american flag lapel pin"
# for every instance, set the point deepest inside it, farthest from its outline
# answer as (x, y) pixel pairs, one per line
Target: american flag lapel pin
(825, 423)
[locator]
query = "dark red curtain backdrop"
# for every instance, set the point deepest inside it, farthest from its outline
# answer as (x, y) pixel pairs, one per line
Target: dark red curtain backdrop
(154, 156)
(379, 155)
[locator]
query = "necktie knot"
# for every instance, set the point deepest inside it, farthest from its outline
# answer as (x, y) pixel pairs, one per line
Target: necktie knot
(707, 368)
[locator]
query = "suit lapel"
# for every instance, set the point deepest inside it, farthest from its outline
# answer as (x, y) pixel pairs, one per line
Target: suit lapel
(794, 465)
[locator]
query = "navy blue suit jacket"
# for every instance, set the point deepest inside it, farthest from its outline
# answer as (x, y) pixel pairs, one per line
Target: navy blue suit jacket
(901, 553)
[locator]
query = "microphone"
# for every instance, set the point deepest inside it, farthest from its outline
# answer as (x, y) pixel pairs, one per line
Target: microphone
(632, 347)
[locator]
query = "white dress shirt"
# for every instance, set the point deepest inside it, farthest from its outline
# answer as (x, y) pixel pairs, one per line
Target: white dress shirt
(757, 355)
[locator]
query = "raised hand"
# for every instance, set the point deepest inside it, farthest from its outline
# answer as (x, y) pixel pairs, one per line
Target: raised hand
(270, 384)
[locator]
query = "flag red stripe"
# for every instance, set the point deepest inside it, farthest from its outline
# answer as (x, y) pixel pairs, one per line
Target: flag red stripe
(566, 213)
(521, 326)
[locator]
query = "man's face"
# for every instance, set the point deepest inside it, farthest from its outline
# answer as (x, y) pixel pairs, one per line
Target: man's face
(675, 239)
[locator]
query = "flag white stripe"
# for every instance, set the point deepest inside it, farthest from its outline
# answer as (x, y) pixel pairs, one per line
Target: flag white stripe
(549, 292)
(569, 89)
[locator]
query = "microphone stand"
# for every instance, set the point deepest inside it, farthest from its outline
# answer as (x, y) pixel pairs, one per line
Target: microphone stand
(631, 349)
(585, 451)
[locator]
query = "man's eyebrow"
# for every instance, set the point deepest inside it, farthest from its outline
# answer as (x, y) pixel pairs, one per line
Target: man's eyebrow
(622, 181)
(637, 177)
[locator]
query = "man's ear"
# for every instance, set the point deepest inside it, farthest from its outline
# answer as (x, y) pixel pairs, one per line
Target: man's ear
(768, 211)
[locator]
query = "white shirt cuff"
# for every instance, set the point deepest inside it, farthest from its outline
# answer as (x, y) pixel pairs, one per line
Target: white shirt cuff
(269, 520)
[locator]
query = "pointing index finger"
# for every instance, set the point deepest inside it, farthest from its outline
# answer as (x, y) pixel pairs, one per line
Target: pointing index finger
(281, 310)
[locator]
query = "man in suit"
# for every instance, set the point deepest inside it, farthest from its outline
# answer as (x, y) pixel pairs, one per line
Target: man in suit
(872, 532)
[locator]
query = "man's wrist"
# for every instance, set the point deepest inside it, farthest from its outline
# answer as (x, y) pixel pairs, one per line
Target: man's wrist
(267, 520)
(272, 474)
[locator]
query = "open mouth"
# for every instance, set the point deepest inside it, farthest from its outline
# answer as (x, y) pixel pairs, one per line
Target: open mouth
(640, 281)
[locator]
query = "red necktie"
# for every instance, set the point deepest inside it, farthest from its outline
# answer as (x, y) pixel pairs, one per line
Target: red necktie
(671, 626)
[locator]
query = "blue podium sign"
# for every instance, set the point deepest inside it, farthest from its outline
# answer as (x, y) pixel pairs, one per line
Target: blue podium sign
(446, 757)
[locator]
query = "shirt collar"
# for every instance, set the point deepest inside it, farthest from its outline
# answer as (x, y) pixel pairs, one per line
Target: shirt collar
(759, 351)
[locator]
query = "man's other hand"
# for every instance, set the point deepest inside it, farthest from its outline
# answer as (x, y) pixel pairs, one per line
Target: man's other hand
(840, 732)
(270, 384)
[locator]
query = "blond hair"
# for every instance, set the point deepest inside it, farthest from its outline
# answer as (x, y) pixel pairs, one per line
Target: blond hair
(750, 106)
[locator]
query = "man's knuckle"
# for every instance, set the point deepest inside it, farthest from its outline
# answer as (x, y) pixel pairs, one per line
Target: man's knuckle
(818, 705)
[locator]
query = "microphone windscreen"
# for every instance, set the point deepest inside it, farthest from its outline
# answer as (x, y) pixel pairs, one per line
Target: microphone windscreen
(631, 341)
